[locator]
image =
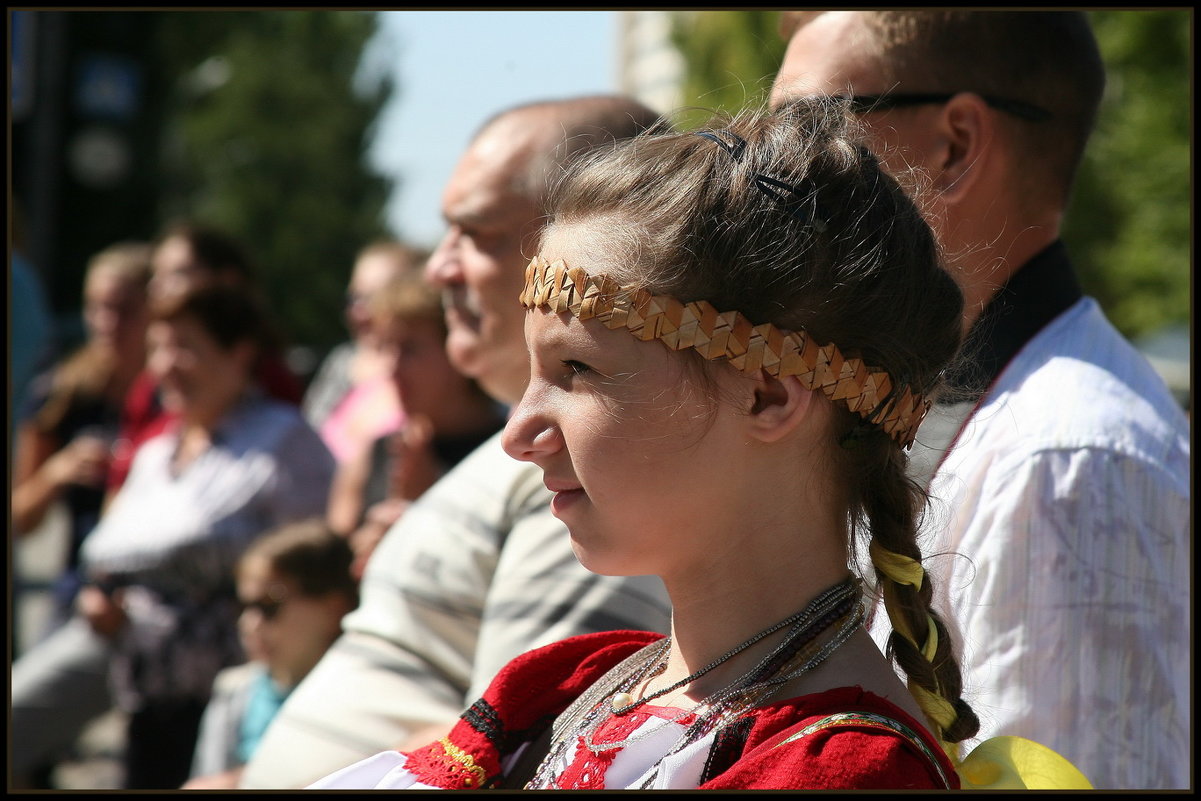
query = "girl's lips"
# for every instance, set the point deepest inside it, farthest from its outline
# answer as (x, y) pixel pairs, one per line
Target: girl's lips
(564, 499)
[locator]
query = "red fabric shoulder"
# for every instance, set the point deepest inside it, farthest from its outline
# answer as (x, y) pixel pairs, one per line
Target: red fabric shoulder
(850, 756)
(140, 401)
(546, 680)
(524, 698)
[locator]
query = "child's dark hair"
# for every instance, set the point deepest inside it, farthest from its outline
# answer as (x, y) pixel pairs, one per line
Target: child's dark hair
(789, 219)
(310, 554)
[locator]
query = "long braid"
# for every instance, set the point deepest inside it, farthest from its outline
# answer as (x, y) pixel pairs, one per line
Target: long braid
(919, 643)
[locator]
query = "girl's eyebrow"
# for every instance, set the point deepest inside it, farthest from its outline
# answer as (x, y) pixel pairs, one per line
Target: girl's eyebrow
(571, 334)
(580, 345)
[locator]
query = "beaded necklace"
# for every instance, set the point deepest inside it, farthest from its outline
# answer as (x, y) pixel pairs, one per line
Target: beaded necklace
(839, 606)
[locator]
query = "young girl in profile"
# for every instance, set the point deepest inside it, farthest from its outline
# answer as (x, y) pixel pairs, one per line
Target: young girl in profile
(734, 335)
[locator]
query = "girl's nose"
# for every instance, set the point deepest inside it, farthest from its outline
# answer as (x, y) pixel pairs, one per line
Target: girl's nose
(531, 435)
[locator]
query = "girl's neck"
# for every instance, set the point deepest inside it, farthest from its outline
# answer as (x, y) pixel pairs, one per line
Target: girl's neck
(733, 609)
(777, 542)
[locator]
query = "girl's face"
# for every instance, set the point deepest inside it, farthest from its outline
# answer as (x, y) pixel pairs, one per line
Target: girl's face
(628, 439)
(176, 269)
(371, 273)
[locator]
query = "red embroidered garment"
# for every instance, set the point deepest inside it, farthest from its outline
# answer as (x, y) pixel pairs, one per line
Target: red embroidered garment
(769, 747)
(588, 770)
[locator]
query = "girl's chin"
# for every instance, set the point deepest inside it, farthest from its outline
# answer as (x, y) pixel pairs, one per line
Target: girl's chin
(598, 563)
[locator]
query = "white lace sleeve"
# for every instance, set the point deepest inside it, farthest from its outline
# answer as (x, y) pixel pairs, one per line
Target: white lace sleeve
(384, 771)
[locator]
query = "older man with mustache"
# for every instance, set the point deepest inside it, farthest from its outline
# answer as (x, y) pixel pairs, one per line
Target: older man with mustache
(477, 570)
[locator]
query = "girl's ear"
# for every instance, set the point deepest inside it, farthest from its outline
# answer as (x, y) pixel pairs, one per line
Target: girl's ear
(779, 407)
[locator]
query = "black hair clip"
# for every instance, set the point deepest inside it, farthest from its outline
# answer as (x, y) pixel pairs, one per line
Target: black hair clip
(735, 150)
(768, 186)
(765, 184)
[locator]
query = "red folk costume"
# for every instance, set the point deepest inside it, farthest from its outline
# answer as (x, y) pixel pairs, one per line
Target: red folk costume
(840, 739)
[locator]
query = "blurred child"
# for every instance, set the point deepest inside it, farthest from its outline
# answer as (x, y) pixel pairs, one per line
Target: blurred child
(294, 585)
(351, 400)
(448, 416)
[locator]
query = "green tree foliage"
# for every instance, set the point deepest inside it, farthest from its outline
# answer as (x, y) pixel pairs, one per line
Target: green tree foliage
(267, 139)
(731, 57)
(1129, 224)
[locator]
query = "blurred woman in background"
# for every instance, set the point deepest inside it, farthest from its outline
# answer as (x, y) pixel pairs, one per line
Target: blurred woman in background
(188, 256)
(351, 400)
(158, 617)
(447, 417)
(68, 429)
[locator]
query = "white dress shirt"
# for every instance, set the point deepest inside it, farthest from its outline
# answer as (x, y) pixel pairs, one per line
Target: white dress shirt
(1059, 543)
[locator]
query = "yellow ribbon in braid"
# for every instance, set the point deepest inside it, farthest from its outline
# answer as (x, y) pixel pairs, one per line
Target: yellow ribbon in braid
(900, 569)
(903, 570)
(999, 763)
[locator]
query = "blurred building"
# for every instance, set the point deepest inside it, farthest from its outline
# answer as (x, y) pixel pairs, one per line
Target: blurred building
(649, 67)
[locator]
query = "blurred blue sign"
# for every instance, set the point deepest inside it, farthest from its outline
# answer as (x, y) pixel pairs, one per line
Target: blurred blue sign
(108, 86)
(21, 63)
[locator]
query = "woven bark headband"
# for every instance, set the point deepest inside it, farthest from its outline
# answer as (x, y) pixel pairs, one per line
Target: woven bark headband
(730, 336)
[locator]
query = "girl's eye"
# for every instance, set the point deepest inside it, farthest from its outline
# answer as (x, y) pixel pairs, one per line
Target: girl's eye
(577, 368)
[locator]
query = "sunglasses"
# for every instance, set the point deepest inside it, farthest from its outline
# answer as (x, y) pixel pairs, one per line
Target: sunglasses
(1018, 108)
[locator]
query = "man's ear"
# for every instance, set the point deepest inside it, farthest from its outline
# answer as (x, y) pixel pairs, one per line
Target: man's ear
(779, 407)
(967, 130)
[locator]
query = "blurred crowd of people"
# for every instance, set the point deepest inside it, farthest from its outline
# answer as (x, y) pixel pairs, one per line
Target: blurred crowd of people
(274, 577)
(179, 444)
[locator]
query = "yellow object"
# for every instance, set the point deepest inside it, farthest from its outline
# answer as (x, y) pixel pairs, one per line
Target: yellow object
(1015, 763)
(937, 708)
(900, 569)
(476, 775)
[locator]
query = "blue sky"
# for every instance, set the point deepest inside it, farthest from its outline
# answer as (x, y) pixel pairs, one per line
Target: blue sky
(453, 69)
